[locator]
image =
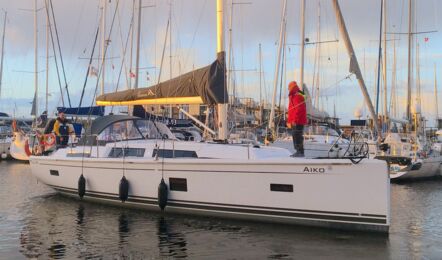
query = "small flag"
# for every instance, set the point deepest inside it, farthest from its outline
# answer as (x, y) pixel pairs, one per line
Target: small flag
(426, 39)
(131, 74)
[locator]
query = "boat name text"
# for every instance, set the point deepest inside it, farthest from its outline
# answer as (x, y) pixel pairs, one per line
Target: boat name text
(314, 170)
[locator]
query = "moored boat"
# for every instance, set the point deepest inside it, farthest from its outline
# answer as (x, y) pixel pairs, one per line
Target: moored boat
(140, 162)
(409, 159)
(235, 181)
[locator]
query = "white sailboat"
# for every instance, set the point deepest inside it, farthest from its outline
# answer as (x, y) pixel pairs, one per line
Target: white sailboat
(216, 179)
(410, 158)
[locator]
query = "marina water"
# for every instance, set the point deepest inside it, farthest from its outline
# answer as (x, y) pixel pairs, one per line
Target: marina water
(37, 223)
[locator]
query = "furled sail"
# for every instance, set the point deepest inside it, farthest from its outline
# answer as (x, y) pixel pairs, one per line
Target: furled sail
(82, 111)
(202, 86)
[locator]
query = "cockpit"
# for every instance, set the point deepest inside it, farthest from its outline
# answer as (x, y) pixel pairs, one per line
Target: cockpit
(123, 128)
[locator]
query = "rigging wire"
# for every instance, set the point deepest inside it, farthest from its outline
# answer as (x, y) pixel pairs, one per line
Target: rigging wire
(124, 46)
(122, 65)
(60, 53)
(283, 65)
(105, 52)
(203, 7)
(164, 50)
(55, 56)
(89, 66)
(75, 38)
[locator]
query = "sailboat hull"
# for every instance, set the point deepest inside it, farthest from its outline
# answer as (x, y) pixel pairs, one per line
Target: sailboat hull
(18, 147)
(327, 193)
(424, 169)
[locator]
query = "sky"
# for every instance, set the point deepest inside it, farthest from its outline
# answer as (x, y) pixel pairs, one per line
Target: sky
(193, 44)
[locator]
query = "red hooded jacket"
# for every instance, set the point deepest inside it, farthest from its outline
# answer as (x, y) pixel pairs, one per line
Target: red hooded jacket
(297, 111)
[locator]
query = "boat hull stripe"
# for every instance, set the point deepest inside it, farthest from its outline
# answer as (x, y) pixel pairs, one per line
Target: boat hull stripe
(363, 218)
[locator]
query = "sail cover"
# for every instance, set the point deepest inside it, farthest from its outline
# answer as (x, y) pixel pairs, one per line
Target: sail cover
(82, 111)
(202, 86)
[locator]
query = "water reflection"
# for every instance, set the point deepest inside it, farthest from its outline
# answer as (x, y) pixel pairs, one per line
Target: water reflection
(123, 228)
(58, 227)
(170, 242)
(416, 215)
(30, 244)
(35, 223)
(57, 250)
(80, 215)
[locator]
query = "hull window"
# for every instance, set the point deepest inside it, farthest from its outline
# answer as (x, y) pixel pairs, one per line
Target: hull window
(78, 155)
(118, 152)
(169, 153)
(54, 172)
(281, 187)
(178, 184)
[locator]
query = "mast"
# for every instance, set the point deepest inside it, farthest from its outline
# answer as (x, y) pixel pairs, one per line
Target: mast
(261, 103)
(354, 65)
(379, 61)
(410, 18)
(261, 79)
(275, 81)
(260, 74)
(384, 67)
(137, 65)
(301, 78)
(35, 59)
(435, 95)
(131, 44)
(418, 78)
(2, 53)
(318, 59)
(220, 49)
(170, 41)
(393, 84)
(103, 44)
(229, 71)
(47, 59)
(170, 51)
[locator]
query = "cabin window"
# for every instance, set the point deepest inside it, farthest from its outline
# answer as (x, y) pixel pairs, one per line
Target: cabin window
(148, 129)
(54, 172)
(118, 131)
(118, 152)
(281, 187)
(178, 184)
(151, 130)
(169, 153)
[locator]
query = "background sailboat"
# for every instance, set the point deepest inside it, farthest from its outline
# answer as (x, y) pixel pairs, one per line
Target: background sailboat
(410, 154)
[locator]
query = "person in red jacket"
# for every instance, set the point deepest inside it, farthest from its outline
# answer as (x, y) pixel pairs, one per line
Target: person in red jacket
(297, 117)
